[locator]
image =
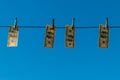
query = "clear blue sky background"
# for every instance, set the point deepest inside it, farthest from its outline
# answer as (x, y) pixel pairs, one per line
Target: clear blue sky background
(31, 61)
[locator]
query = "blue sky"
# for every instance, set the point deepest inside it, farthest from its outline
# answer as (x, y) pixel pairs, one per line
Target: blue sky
(31, 61)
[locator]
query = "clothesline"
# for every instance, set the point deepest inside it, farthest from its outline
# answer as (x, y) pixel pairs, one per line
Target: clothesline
(80, 27)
